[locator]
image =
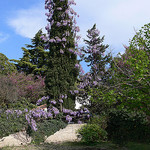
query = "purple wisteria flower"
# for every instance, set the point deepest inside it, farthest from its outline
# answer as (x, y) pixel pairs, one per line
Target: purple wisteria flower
(71, 50)
(65, 96)
(58, 24)
(77, 66)
(86, 110)
(18, 112)
(49, 115)
(33, 125)
(66, 111)
(68, 118)
(25, 110)
(61, 96)
(61, 101)
(95, 83)
(42, 99)
(73, 113)
(53, 102)
(72, 93)
(8, 111)
(55, 110)
(59, 8)
(88, 116)
(71, 2)
(61, 51)
(79, 122)
(76, 91)
(57, 39)
(81, 111)
(77, 29)
(52, 40)
(64, 39)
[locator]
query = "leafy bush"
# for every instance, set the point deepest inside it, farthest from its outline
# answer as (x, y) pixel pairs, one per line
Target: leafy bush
(22, 103)
(100, 120)
(45, 129)
(124, 126)
(11, 122)
(92, 133)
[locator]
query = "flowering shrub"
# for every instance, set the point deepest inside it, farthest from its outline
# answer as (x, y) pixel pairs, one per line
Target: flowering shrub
(27, 86)
(16, 86)
(69, 115)
(8, 91)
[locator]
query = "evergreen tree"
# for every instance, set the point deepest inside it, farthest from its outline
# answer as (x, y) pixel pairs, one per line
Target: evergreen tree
(95, 54)
(62, 58)
(34, 60)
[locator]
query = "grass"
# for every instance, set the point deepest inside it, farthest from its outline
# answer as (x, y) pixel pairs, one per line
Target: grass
(81, 146)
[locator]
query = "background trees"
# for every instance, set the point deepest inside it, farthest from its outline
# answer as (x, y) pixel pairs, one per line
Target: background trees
(6, 66)
(129, 85)
(34, 60)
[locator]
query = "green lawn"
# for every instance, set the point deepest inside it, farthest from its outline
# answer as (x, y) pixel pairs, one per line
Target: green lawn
(81, 146)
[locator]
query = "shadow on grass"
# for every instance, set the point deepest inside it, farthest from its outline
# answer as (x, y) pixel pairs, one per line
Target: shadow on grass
(81, 146)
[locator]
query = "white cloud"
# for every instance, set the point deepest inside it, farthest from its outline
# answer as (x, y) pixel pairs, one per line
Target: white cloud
(115, 19)
(27, 22)
(3, 37)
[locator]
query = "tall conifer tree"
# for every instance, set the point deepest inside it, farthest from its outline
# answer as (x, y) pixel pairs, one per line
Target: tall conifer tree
(62, 59)
(95, 54)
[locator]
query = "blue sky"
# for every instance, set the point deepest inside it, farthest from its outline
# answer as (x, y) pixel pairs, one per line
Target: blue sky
(116, 19)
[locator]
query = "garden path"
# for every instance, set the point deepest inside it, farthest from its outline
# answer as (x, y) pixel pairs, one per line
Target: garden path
(63, 135)
(67, 134)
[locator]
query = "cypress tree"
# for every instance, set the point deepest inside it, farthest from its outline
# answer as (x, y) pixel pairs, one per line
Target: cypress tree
(62, 58)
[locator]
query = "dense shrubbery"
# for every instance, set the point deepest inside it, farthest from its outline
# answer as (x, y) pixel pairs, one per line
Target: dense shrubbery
(36, 121)
(100, 120)
(124, 126)
(12, 121)
(92, 133)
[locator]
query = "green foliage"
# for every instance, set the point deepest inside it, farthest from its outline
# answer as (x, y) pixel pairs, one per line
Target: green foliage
(129, 83)
(131, 75)
(21, 104)
(124, 126)
(92, 133)
(45, 129)
(100, 120)
(142, 38)
(61, 74)
(10, 124)
(101, 99)
(34, 60)
(5, 66)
